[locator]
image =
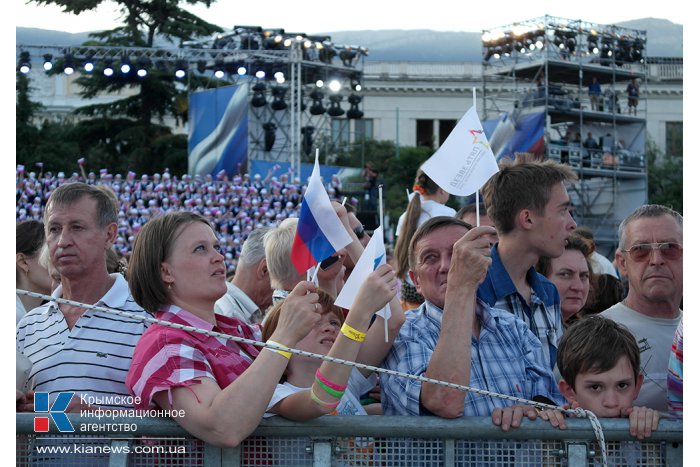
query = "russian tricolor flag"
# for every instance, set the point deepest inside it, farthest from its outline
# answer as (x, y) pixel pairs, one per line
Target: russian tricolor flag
(320, 233)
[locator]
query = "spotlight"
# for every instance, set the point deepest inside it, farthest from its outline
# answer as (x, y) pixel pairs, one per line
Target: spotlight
(89, 64)
(354, 111)
(219, 68)
(317, 107)
(279, 77)
(68, 68)
(278, 92)
(181, 69)
(201, 66)
(144, 63)
(25, 63)
(334, 85)
(269, 128)
(242, 70)
(334, 110)
(108, 70)
(319, 83)
(355, 84)
(307, 140)
(125, 66)
(258, 99)
(260, 74)
(47, 62)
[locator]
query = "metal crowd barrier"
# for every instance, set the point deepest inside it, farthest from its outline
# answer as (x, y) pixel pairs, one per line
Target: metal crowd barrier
(352, 441)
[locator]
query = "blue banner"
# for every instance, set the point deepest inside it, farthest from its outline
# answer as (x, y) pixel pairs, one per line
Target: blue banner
(218, 138)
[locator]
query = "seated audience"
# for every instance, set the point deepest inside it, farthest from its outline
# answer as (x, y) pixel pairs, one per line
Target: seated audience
(454, 337)
(177, 272)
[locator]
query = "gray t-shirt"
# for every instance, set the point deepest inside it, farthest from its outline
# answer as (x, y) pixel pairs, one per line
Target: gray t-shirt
(655, 337)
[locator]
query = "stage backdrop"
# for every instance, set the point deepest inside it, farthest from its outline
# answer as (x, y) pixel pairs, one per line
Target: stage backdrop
(218, 138)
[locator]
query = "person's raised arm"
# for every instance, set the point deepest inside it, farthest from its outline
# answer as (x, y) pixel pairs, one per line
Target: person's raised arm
(451, 361)
(332, 378)
(225, 417)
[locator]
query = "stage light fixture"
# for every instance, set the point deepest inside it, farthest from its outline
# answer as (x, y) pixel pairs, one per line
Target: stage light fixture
(269, 128)
(219, 68)
(279, 77)
(242, 71)
(354, 111)
(143, 64)
(68, 67)
(108, 70)
(125, 66)
(89, 64)
(334, 110)
(258, 99)
(307, 139)
(25, 62)
(260, 74)
(278, 93)
(335, 85)
(181, 67)
(201, 66)
(47, 62)
(317, 107)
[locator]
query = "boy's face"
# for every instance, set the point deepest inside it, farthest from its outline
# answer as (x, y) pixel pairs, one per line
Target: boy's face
(606, 393)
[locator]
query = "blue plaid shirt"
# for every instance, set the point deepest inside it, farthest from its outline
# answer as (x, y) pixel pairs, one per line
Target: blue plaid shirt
(506, 359)
(542, 315)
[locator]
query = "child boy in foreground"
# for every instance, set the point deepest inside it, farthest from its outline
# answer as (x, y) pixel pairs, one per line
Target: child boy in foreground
(599, 363)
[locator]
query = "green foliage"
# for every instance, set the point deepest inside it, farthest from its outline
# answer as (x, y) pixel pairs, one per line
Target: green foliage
(129, 133)
(665, 177)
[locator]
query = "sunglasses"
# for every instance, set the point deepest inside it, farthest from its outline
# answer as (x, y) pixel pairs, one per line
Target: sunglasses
(359, 232)
(668, 250)
(328, 262)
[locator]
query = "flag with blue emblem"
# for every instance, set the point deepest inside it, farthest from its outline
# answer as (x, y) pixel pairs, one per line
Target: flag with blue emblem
(373, 257)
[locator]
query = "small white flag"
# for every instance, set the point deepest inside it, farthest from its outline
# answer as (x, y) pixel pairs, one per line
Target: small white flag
(465, 161)
(373, 257)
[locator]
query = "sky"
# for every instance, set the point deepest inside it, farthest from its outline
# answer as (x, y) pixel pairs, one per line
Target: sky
(437, 15)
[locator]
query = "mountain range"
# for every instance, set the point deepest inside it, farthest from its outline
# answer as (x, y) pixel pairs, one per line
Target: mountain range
(664, 39)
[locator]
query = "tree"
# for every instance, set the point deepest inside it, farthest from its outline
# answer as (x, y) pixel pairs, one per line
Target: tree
(665, 177)
(129, 133)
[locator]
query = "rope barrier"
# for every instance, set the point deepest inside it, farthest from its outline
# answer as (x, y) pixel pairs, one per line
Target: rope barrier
(578, 412)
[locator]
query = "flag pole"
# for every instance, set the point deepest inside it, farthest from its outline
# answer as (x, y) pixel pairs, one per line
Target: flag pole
(381, 232)
(476, 199)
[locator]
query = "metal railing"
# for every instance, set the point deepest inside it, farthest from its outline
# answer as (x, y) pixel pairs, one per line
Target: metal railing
(341, 441)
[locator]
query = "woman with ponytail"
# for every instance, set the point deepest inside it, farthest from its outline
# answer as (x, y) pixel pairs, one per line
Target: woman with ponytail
(427, 201)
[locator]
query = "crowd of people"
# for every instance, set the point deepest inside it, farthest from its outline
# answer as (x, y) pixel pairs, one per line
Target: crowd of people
(502, 306)
(234, 207)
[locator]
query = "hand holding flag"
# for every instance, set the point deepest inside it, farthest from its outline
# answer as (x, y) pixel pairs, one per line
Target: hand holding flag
(320, 233)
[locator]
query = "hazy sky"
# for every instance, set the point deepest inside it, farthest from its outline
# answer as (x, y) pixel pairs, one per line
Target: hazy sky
(440, 15)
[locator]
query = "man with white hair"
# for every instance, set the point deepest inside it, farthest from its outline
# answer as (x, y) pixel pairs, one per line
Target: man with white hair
(249, 293)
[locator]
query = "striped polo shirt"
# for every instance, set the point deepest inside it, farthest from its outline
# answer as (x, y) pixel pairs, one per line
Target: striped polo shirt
(91, 359)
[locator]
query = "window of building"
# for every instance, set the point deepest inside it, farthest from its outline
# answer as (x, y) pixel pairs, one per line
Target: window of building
(674, 139)
(340, 132)
(446, 127)
(424, 133)
(364, 129)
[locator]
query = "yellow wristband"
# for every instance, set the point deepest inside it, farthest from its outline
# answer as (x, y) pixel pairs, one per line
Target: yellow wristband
(285, 354)
(352, 333)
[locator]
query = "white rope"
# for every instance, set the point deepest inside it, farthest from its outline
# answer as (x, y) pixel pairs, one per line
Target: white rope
(579, 412)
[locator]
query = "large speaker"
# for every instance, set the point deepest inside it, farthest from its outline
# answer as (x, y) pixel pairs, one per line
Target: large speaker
(369, 219)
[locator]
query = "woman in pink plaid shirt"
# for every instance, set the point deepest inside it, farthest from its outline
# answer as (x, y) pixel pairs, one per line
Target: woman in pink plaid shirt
(219, 387)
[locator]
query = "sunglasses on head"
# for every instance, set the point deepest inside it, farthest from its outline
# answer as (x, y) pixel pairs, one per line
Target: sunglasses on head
(668, 250)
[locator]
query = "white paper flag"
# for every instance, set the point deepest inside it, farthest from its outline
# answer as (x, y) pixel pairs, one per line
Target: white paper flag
(465, 161)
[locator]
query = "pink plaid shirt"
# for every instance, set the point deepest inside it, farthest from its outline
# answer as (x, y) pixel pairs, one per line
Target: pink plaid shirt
(167, 358)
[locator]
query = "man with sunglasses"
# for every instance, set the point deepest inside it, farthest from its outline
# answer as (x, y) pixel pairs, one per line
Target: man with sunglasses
(650, 255)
